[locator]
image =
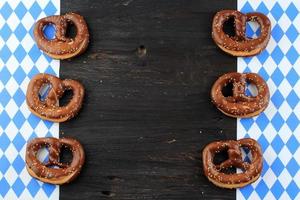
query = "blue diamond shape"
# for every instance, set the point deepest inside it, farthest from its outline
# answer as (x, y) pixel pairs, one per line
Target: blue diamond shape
(277, 77)
(277, 167)
(48, 124)
(35, 10)
(262, 72)
(292, 11)
(50, 9)
(277, 11)
(292, 55)
(292, 77)
(292, 33)
(277, 33)
(277, 55)
(19, 119)
(292, 99)
(262, 121)
(18, 164)
(263, 56)
(34, 71)
(247, 191)
(4, 187)
(19, 75)
(48, 189)
(34, 53)
(20, 32)
(262, 189)
(33, 187)
(247, 8)
(277, 144)
(4, 142)
(50, 70)
(277, 189)
(265, 168)
(19, 142)
(19, 97)
(292, 122)
(5, 32)
(292, 167)
(4, 97)
(4, 165)
(33, 120)
(20, 53)
(292, 144)
(277, 99)
(247, 123)
(6, 11)
(249, 31)
(292, 190)
(20, 10)
(263, 142)
(4, 120)
(262, 9)
(5, 53)
(18, 187)
(4, 75)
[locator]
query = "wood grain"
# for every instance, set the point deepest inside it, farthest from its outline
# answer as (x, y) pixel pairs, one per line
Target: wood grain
(147, 113)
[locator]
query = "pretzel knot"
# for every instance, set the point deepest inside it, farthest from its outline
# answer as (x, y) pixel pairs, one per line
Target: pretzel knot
(49, 109)
(54, 171)
(240, 44)
(239, 104)
(251, 171)
(62, 47)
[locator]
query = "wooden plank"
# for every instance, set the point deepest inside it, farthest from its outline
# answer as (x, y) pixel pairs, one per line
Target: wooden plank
(146, 117)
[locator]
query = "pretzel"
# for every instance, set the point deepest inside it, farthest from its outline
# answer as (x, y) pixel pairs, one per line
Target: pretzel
(240, 105)
(240, 45)
(62, 47)
(251, 171)
(49, 108)
(54, 171)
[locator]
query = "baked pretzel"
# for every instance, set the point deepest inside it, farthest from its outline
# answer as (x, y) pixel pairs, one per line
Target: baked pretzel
(49, 109)
(54, 171)
(251, 171)
(239, 44)
(62, 47)
(239, 104)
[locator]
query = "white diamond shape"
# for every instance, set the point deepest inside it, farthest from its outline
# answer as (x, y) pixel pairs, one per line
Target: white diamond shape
(11, 108)
(284, 22)
(12, 86)
(13, 21)
(285, 178)
(285, 155)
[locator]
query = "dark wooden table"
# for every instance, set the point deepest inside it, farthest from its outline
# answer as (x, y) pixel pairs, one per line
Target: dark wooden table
(147, 112)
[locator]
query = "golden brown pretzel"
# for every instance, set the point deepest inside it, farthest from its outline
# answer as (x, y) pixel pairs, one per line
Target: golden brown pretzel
(49, 109)
(63, 173)
(240, 105)
(240, 45)
(62, 47)
(251, 171)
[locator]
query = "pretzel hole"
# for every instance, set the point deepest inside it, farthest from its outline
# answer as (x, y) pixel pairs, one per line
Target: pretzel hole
(221, 157)
(49, 31)
(44, 91)
(229, 27)
(227, 90)
(71, 30)
(43, 154)
(251, 89)
(66, 155)
(66, 98)
(253, 29)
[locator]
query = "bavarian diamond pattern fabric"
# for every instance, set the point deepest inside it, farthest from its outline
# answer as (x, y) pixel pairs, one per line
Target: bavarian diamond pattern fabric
(20, 60)
(277, 129)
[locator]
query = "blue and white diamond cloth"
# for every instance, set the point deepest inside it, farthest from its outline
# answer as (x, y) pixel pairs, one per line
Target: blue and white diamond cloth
(277, 129)
(20, 60)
